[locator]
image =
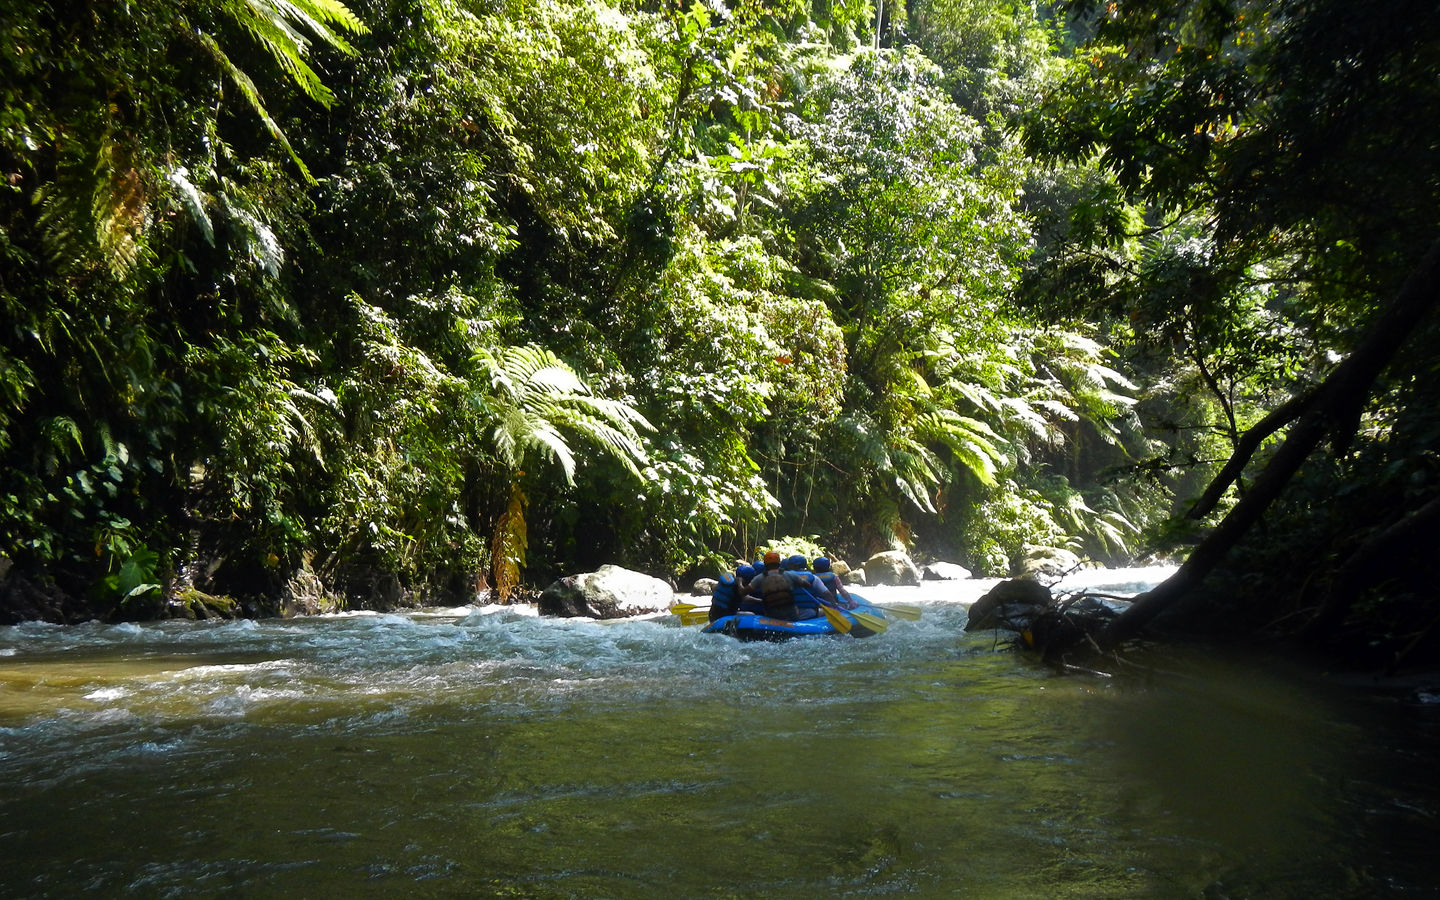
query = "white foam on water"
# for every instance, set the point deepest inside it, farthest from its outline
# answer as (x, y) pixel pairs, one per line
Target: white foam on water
(105, 695)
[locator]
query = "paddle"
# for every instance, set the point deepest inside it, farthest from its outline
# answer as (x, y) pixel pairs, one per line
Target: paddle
(837, 619)
(691, 614)
(872, 622)
(898, 610)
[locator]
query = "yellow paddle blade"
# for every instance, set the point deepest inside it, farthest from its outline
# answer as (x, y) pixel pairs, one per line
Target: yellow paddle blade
(695, 617)
(902, 611)
(841, 623)
(874, 623)
(681, 609)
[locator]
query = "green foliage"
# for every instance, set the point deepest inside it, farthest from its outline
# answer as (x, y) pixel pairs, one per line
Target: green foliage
(807, 546)
(136, 577)
(531, 397)
(351, 339)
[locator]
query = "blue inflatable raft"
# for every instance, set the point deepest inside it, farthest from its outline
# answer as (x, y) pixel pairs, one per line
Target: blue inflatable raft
(751, 626)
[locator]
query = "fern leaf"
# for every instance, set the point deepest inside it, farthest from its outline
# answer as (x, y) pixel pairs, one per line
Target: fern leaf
(252, 96)
(118, 207)
(193, 201)
(545, 436)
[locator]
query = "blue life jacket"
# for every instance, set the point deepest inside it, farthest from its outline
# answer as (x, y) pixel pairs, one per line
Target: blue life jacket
(832, 582)
(726, 595)
(806, 600)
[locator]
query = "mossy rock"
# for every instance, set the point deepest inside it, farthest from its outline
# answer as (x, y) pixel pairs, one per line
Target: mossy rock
(194, 604)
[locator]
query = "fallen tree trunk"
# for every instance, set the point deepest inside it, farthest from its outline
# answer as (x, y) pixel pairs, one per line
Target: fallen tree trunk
(1336, 402)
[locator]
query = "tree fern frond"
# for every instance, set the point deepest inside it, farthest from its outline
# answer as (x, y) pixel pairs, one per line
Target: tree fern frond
(558, 379)
(286, 46)
(63, 221)
(622, 442)
(118, 206)
(1020, 412)
(192, 201)
(980, 397)
(916, 473)
(1058, 409)
(252, 96)
(545, 436)
(973, 443)
(259, 242)
(270, 23)
(534, 395)
(1108, 374)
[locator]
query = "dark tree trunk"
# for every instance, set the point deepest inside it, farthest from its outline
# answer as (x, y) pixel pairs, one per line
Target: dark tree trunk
(1245, 448)
(1336, 403)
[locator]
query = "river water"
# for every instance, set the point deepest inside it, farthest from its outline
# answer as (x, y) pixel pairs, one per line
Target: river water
(486, 752)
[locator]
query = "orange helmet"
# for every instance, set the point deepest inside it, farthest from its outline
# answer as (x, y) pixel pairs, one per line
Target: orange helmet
(772, 559)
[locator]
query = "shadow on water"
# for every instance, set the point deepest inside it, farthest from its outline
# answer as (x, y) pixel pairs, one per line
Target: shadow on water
(470, 754)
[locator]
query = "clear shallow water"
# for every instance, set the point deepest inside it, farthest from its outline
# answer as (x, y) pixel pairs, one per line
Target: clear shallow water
(491, 753)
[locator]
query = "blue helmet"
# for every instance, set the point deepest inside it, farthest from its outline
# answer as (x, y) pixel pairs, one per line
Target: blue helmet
(822, 564)
(795, 563)
(746, 572)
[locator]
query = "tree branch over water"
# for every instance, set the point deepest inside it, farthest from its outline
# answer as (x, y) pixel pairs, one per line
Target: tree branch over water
(1335, 404)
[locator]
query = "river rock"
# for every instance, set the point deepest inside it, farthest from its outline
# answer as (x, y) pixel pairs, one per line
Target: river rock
(1012, 605)
(611, 592)
(23, 600)
(1050, 562)
(703, 587)
(854, 576)
(943, 571)
(305, 595)
(840, 567)
(891, 567)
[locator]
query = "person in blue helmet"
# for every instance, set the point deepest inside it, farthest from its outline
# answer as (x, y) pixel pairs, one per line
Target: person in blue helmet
(809, 591)
(744, 574)
(725, 599)
(832, 581)
(795, 563)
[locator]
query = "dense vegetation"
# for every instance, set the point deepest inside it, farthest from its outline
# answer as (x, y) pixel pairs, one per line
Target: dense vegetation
(420, 294)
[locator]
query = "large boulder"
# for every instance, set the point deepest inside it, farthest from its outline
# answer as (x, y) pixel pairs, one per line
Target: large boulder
(1047, 562)
(608, 593)
(1013, 605)
(703, 587)
(943, 571)
(891, 567)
